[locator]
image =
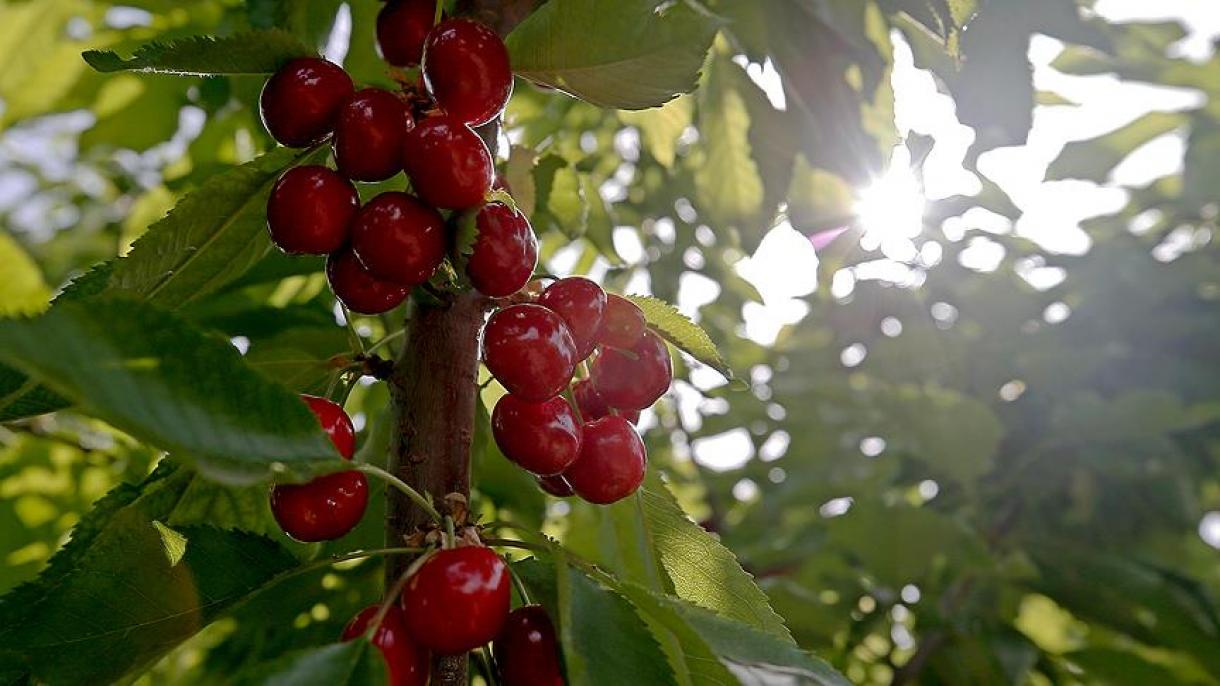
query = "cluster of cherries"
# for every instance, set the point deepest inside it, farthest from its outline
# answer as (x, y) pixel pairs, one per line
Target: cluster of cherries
(396, 241)
(583, 444)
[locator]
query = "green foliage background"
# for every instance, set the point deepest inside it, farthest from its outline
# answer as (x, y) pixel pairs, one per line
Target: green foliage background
(1060, 544)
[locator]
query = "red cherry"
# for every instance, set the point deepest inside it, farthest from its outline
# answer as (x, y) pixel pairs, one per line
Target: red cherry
(543, 438)
(529, 350)
(359, 290)
(505, 252)
(398, 238)
(582, 304)
(402, 26)
(622, 324)
(449, 165)
(633, 383)
(611, 462)
(466, 70)
(526, 651)
(299, 102)
(308, 210)
(335, 423)
(556, 485)
(457, 600)
(593, 406)
(407, 663)
(368, 135)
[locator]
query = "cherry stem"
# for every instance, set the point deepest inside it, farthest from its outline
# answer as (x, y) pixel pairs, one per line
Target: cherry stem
(401, 485)
(450, 535)
(520, 586)
(440, 12)
(567, 394)
(353, 337)
(386, 339)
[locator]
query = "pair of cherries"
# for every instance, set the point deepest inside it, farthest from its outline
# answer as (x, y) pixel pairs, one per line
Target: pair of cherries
(533, 349)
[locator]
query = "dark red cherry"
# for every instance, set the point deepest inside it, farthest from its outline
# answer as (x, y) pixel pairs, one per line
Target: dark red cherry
(402, 26)
(398, 238)
(633, 381)
(557, 485)
(448, 163)
(359, 290)
(529, 350)
(309, 209)
(299, 102)
(466, 70)
(457, 600)
(526, 651)
(543, 438)
(505, 252)
(593, 406)
(407, 663)
(622, 324)
(335, 423)
(368, 135)
(611, 462)
(582, 304)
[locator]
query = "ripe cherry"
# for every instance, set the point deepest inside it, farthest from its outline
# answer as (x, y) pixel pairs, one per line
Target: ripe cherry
(402, 26)
(593, 406)
(358, 289)
(448, 163)
(408, 664)
(330, 505)
(529, 350)
(582, 304)
(398, 238)
(543, 438)
(309, 209)
(526, 650)
(466, 70)
(611, 462)
(623, 323)
(457, 600)
(505, 252)
(635, 379)
(299, 102)
(368, 135)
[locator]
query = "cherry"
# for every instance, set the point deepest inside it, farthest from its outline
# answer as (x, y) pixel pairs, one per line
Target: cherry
(335, 423)
(359, 290)
(368, 135)
(402, 26)
(526, 651)
(505, 252)
(448, 163)
(309, 209)
(543, 438)
(582, 304)
(457, 600)
(466, 70)
(634, 380)
(299, 102)
(593, 406)
(556, 485)
(611, 462)
(622, 324)
(529, 350)
(407, 663)
(398, 238)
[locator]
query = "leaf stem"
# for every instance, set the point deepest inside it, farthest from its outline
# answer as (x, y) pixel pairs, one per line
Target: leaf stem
(401, 485)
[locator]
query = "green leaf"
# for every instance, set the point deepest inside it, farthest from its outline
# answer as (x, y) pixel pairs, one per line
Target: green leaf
(173, 541)
(678, 329)
(250, 52)
(727, 179)
(631, 55)
(1093, 159)
(661, 127)
(560, 203)
(519, 173)
(22, 290)
(152, 374)
(337, 664)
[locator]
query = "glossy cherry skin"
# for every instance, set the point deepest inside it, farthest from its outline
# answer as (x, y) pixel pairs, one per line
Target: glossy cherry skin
(557, 486)
(466, 70)
(407, 663)
(398, 238)
(543, 438)
(299, 102)
(457, 600)
(611, 462)
(633, 384)
(369, 131)
(335, 422)
(526, 650)
(402, 27)
(505, 252)
(622, 324)
(593, 406)
(358, 289)
(530, 351)
(582, 304)
(448, 163)
(309, 209)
